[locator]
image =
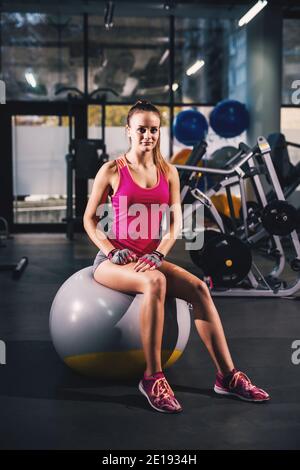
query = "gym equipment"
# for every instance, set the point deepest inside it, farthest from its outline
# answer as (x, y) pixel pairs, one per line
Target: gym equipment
(220, 157)
(180, 157)
(279, 218)
(253, 212)
(96, 330)
(229, 118)
(295, 264)
(16, 268)
(224, 258)
(200, 180)
(220, 201)
(85, 156)
(194, 159)
(83, 159)
(288, 174)
(190, 126)
(252, 164)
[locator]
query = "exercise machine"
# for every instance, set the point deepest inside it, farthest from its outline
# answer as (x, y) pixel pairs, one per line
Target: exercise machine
(17, 269)
(225, 258)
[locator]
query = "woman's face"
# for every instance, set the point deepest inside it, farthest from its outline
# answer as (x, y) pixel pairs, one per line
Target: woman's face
(144, 130)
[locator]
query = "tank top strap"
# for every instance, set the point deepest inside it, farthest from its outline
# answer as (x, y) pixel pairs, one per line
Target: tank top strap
(124, 175)
(121, 162)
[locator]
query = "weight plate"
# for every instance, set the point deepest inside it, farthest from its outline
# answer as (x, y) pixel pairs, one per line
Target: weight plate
(225, 258)
(279, 218)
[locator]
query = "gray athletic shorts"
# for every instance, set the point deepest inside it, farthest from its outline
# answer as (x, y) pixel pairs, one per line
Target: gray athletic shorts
(100, 257)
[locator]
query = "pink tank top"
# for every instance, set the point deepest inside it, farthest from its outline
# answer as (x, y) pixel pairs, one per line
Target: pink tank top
(138, 211)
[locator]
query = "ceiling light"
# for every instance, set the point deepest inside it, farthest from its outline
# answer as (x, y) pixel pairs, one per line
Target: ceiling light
(164, 57)
(109, 15)
(30, 79)
(195, 67)
(252, 12)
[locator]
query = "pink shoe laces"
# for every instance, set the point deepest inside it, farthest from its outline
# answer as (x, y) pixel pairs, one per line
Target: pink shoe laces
(248, 386)
(246, 382)
(163, 393)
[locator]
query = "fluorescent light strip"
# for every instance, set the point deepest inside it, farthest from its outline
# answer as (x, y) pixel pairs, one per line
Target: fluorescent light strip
(30, 79)
(253, 12)
(195, 67)
(164, 57)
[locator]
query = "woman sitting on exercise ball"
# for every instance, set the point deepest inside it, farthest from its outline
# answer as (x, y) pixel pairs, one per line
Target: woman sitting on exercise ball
(137, 265)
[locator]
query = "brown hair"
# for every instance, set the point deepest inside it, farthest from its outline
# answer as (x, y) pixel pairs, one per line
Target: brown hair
(144, 105)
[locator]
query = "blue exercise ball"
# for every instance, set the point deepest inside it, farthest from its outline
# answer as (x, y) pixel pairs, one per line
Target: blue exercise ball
(96, 330)
(190, 127)
(229, 118)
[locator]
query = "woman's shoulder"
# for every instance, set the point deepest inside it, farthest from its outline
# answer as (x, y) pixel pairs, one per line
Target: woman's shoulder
(112, 165)
(172, 171)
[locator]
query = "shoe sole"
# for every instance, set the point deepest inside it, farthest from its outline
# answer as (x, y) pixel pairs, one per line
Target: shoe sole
(221, 391)
(141, 389)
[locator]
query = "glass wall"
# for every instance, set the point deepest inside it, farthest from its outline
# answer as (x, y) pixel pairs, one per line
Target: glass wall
(290, 58)
(40, 144)
(201, 59)
(41, 53)
(131, 58)
(290, 125)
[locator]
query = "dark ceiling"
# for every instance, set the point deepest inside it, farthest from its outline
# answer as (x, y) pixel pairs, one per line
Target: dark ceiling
(225, 8)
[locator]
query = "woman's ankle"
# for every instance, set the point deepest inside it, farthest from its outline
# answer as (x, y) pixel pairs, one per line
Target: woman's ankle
(149, 373)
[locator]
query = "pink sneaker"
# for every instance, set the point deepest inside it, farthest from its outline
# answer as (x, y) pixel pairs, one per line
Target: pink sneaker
(159, 393)
(238, 384)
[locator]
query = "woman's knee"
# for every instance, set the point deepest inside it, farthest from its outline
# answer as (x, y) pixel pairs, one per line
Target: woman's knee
(155, 282)
(200, 289)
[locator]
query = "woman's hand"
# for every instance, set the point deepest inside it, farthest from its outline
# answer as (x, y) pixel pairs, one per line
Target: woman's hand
(149, 261)
(125, 256)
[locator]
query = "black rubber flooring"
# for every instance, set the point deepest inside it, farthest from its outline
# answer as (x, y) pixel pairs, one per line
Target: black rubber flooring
(44, 405)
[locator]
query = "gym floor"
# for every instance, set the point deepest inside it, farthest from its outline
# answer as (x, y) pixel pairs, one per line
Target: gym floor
(44, 405)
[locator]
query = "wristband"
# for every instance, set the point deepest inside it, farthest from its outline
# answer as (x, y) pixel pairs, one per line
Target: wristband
(158, 253)
(111, 253)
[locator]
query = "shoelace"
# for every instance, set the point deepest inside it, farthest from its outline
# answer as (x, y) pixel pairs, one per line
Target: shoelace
(162, 389)
(244, 378)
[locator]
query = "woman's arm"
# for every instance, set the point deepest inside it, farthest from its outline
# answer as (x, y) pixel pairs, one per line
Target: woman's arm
(98, 196)
(170, 237)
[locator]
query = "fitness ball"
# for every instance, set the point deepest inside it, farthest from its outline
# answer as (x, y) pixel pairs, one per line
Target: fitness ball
(96, 330)
(190, 126)
(229, 118)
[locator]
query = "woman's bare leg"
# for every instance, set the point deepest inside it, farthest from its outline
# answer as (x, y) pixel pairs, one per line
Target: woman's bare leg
(210, 330)
(186, 286)
(152, 323)
(153, 285)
